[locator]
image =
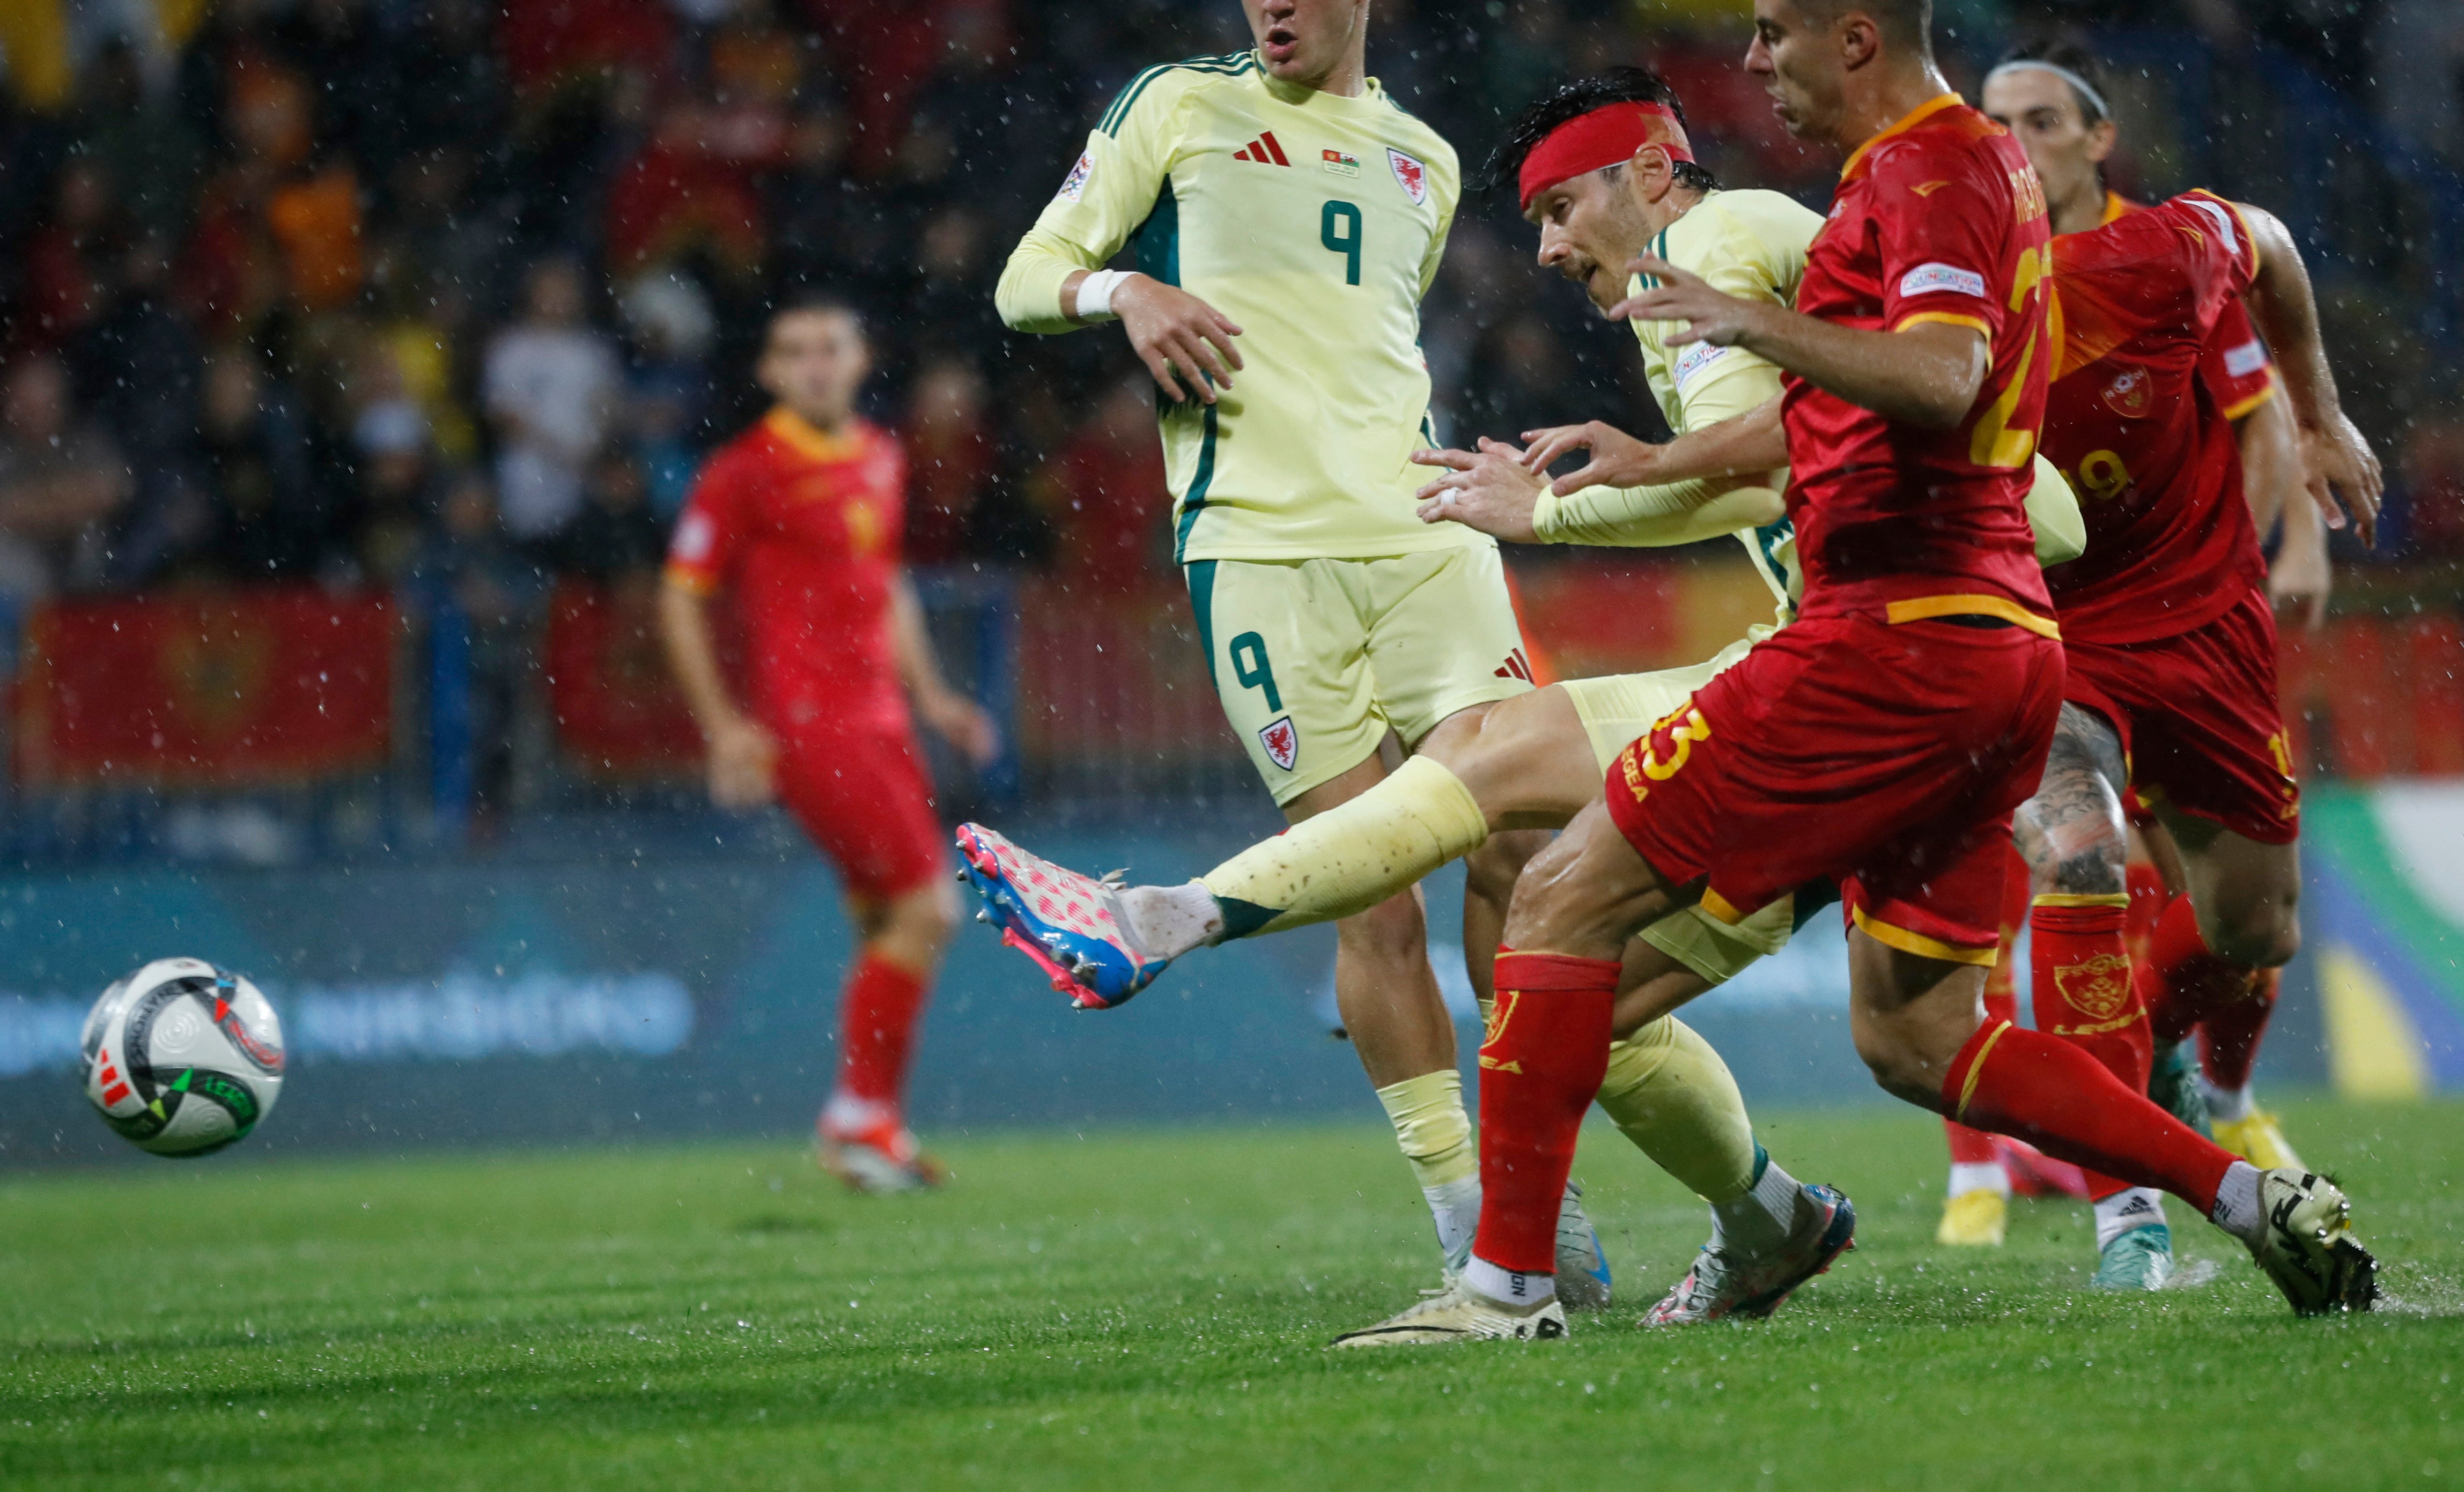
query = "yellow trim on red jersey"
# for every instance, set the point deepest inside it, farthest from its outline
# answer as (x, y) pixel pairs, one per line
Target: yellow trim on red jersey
(1905, 122)
(1720, 907)
(1921, 608)
(2116, 207)
(2236, 411)
(2074, 899)
(1947, 319)
(2243, 218)
(1917, 943)
(1977, 1068)
(810, 441)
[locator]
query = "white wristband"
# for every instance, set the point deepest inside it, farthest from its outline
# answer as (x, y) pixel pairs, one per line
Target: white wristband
(1096, 293)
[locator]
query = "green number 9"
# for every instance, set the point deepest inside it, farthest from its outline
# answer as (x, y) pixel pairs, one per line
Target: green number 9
(1345, 243)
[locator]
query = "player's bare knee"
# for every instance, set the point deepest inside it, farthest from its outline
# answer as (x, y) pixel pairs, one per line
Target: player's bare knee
(1586, 893)
(1532, 766)
(1899, 1069)
(1545, 896)
(2265, 933)
(925, 918)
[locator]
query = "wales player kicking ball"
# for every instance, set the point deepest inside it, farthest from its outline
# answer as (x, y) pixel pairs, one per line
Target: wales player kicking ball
(1605, 170)
(1286, 217)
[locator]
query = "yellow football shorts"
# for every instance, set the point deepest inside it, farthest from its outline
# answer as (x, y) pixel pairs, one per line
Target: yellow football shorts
(1316, 659)
(1615, 711)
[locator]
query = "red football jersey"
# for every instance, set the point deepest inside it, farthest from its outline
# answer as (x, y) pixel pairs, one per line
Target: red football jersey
(1938, 218)
(2234, 362)
(2137, 427)
(802, 528)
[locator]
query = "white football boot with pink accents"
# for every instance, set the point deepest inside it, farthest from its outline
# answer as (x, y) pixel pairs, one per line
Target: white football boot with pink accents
(1070, 924)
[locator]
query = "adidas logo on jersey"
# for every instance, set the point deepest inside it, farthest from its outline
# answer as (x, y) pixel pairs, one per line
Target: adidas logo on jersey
(1263, 151)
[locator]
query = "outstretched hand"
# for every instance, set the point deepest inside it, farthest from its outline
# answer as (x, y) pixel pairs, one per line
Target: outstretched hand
(1710, 315)
(2336, 462)
(742, 763)
(1618, 458)
(1490, 490)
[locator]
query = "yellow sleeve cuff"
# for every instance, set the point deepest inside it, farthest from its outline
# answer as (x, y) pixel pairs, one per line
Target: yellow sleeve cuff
(1029, 296)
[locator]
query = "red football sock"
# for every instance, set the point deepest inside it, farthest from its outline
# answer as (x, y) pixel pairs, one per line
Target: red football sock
(877, 1015)
(1974, 1147)
(1546, 1050)
(1968, 1147)
(2148, 899)
(2082, 992)
(2233, 1031)
(2182, 982)
(2046, 1091)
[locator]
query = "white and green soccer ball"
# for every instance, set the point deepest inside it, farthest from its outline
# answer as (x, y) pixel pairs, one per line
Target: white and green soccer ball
(182, 1058)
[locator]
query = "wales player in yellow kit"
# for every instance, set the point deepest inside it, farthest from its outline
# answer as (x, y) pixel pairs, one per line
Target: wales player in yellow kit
(1540, 757)
(1285, 218)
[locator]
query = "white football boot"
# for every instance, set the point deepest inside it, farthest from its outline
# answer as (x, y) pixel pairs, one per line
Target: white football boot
(2308, 1247)
(1459, 1313)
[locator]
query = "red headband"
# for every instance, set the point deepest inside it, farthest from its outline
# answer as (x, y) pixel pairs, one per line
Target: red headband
(1588, 141)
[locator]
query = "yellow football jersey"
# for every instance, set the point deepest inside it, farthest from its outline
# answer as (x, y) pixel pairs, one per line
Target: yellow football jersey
(1316, 221)
(1748, 243)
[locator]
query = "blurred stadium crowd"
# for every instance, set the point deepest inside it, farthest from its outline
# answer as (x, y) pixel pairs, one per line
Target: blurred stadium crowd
(447, 297)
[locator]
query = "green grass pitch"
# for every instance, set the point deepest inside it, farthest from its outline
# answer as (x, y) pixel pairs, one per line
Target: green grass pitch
(1149, 1308)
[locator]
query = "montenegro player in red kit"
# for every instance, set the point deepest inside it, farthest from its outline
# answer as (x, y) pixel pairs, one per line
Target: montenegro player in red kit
(2105, 927)
(2208, 959)
(798, 520)
(1881, 740)
(2167, 627)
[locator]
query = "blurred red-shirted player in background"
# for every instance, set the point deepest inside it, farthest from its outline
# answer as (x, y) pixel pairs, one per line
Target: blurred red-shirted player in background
(798, 518)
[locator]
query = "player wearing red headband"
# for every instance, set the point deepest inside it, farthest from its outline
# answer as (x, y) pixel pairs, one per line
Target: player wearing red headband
(1884, 737)
(1538, 757)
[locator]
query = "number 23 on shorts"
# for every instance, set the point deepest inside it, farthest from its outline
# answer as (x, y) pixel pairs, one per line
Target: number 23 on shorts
(1661, 751)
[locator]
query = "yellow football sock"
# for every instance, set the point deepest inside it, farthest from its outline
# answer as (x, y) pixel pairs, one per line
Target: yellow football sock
(1353, 856)
(1672, 1095)
(1431, 1126)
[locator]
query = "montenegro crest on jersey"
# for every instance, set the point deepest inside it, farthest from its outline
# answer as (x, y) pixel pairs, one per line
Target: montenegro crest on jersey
(1413, 176)
(1283, 742)
(2129, 393)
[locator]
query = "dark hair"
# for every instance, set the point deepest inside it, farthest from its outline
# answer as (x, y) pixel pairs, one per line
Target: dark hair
(2071, 57)
(815, 302)
(1572, 101)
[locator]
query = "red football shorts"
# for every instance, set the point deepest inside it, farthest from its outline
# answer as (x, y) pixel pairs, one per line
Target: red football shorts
(1886, 757)
(2198, 719)
(863, 797)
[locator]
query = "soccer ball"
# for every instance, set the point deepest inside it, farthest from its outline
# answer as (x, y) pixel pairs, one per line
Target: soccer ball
(182, 1058)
